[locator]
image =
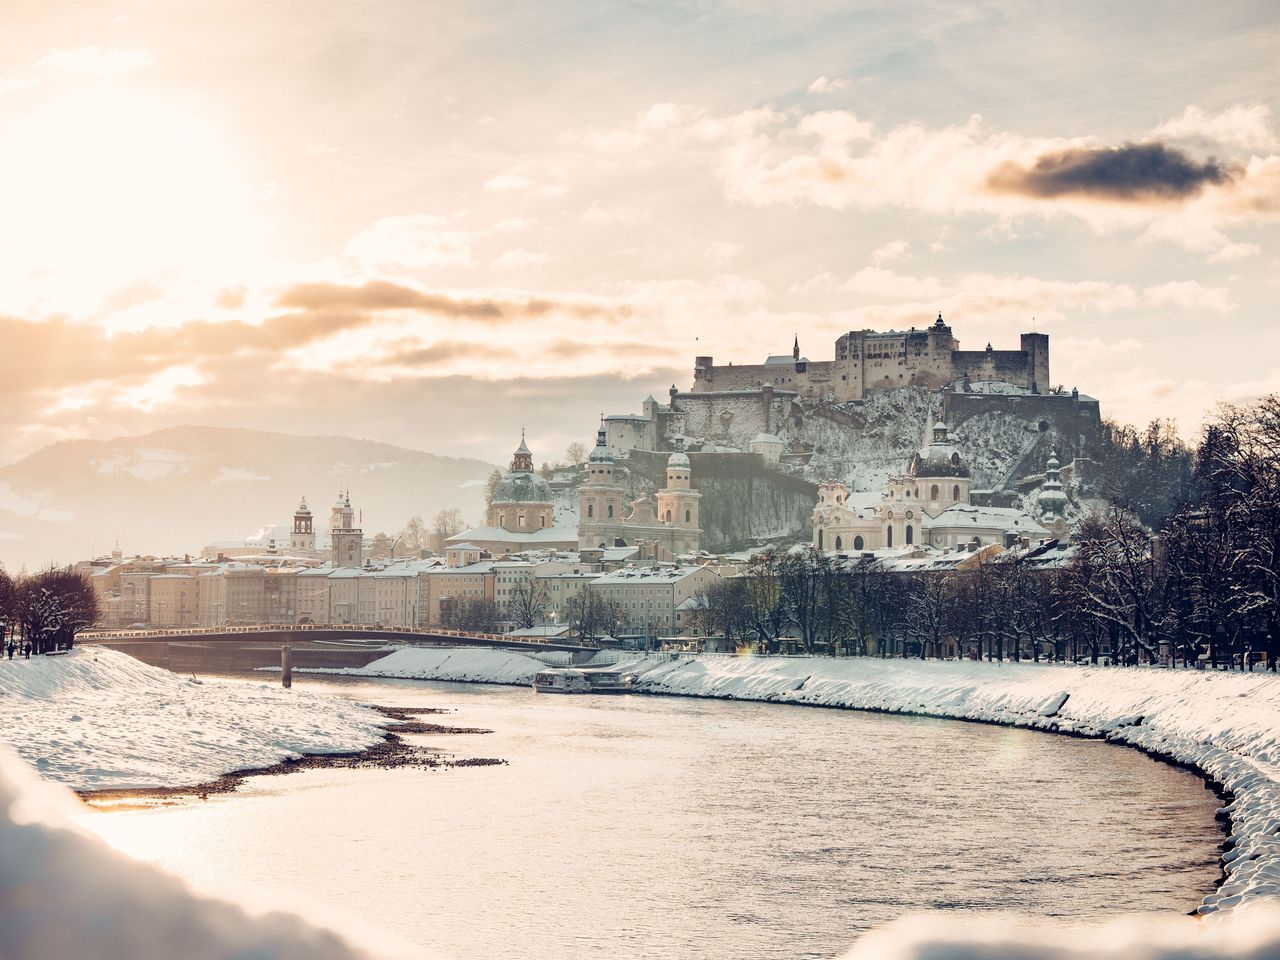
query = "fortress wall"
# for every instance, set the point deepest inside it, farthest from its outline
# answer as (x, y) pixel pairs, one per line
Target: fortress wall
(1013, 366)
(815, 380)
(732, 419)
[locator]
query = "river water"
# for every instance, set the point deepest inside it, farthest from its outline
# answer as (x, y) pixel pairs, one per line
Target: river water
(663, 827)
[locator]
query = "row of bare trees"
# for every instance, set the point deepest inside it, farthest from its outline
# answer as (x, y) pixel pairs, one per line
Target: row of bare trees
(46, 609)
(1204, 586)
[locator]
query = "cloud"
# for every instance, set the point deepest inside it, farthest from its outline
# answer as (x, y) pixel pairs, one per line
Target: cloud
(519, 183)
(410, 242)
(1247, 126)
(890, 252)
(520, 259)
(1134, 173)
(723, 252)
(828, 84)
(97, 62)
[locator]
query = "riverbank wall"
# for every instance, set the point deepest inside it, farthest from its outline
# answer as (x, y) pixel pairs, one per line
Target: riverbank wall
(1224, 726)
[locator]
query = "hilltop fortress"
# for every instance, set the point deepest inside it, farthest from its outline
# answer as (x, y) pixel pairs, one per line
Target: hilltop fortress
(866, 360)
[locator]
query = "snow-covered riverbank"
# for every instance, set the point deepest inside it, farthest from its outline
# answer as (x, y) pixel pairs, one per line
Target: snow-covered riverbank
(1227, 726)
(99, 719)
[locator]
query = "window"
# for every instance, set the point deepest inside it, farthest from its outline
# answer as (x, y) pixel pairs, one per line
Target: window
(688, 517)
(888, 536)
(839, 545)
(933, 492)
(542, 520)
(591, 510)
(819, 539)
(955, 492)
(857, 543)
(610, 511)
(911, 534)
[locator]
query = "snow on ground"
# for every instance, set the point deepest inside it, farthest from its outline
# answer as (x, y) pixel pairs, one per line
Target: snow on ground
(1225, 725)
(99, 719)
(65, 893)
(464, 664)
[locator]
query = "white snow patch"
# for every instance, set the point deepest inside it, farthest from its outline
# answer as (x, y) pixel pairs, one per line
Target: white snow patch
(99, 719)
(65, 893)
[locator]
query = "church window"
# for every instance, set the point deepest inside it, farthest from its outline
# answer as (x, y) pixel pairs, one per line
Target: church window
(911, 534)
(955, 492)
(591, 510)
(839, 544)
(819, 539)
(933, 492)
(688, 517)
(888, 536)
(542, 520)
(502, 519)
(520, 520)
(857, 543)
(610, 511)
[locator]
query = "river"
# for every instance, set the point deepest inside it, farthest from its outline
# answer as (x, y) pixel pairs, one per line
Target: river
(664, 827)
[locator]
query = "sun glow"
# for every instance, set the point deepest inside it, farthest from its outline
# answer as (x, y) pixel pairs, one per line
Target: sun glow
(110, 189)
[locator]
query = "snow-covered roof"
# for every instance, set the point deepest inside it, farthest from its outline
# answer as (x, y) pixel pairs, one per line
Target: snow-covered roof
(657, 573)
(1007, 519)
(493, 533)
(782, 359)
(767, 438)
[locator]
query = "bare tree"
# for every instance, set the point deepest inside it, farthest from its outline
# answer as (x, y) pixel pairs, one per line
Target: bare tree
(445, 524)
(415, 536)
(527, 603)
(576, 453)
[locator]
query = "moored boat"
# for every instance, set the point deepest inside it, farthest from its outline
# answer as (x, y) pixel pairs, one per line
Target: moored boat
(570, 680)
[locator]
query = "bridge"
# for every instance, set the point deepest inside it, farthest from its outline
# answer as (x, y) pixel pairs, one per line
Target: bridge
(327, 646)
(280, 633)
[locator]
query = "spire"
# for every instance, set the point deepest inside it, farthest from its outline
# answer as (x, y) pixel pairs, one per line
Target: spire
(601, 452)
(795, 350)
(522, 459)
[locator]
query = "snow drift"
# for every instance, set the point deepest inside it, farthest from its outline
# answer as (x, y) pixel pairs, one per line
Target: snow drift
(64, 893)
(99, 719)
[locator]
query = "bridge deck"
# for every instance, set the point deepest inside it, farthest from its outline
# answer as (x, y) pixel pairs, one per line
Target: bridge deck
(295, 633)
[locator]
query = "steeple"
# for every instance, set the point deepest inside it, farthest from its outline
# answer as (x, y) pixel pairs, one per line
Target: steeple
(522, 460)
(795, 350)
(601, 452)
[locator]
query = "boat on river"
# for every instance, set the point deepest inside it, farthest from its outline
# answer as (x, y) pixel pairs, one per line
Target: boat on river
(570, 680)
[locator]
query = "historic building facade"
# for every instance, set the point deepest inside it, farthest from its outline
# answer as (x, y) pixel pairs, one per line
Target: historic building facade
(867, 360)
(671, 519)
(928, 506)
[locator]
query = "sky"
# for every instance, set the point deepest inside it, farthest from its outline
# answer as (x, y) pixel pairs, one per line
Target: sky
(433, 224)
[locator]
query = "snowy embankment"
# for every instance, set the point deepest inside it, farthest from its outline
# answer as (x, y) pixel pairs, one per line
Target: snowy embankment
(1227, 726)
(99, 719)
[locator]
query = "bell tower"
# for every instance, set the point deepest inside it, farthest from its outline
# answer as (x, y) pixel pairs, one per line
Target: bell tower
(346, 540)
(302, 542)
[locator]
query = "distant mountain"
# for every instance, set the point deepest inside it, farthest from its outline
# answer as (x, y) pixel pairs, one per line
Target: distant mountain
(175, 490)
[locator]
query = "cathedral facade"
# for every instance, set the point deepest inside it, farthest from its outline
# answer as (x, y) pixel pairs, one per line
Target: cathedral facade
(928, 506)
(605, 519)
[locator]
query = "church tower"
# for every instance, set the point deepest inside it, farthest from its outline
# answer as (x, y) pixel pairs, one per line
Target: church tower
(302, 542)
(346, 539)
(522, 501)
(678, 503)
(600, 498)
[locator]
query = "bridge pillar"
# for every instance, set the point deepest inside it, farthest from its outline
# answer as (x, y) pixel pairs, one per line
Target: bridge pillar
(286, 665)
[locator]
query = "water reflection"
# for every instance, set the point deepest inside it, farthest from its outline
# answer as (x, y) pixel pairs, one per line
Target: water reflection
(686, 828)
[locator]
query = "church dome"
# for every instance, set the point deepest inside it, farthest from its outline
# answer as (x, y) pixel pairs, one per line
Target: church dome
(941, 458)
(678, 461)
(522, 488)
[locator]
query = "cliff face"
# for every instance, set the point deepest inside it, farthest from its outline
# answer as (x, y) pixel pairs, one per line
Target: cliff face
(1006, 437)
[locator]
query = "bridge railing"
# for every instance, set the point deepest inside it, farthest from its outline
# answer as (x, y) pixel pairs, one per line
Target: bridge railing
(170, 632)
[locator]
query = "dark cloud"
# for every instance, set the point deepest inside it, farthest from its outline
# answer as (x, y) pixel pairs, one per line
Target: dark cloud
(382, 295)
(1135, 172)
(378, 295)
